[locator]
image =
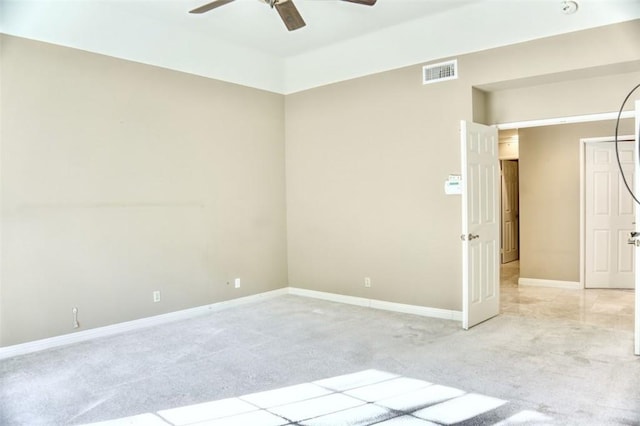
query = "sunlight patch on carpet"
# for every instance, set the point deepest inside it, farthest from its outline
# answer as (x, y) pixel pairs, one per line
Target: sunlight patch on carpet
(364, 398)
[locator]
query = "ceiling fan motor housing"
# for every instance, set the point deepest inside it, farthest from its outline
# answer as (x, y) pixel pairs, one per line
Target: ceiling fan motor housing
(286, 9)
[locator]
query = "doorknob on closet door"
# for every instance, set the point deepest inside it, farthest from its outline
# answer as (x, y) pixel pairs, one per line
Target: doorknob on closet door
(633, 242)
(469, 237)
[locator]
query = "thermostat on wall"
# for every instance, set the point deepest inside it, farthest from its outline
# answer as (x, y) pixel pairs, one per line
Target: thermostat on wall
(453, 185)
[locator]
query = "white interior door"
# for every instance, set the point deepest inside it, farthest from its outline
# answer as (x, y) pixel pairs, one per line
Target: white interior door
(609, 216)
(480, 223)
(510, 213)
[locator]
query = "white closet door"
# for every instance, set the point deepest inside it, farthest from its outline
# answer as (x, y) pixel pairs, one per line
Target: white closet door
(609, 216)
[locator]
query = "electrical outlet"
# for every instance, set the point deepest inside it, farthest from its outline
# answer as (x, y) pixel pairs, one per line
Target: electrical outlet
(367, 282)
(237, 282)
(74, 312)
(156, 296)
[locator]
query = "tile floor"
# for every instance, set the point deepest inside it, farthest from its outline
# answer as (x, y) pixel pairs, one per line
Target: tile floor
(364, 398)
(600, 307)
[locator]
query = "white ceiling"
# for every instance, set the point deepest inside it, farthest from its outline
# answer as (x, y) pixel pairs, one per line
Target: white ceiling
(245, 42)
(254, 24)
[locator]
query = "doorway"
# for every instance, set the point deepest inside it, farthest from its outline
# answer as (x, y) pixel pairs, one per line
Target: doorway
(510, 212)
(508, 154)
(544, 298)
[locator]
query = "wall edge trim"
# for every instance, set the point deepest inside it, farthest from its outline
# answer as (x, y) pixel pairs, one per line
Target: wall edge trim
(565, 120)
(535, 282)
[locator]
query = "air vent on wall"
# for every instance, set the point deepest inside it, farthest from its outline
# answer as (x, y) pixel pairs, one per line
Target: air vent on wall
(442, 71)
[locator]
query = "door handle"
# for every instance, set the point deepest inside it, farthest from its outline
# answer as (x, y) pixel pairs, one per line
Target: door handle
(633, 242)
(469, 237)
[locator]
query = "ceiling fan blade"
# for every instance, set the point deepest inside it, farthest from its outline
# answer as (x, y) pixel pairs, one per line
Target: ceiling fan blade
(207, 7)
(365, 2)
(290, 15)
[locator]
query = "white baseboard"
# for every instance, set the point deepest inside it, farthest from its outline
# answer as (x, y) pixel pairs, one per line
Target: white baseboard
(535, 282)
(379, 304)
(81, 336)
(423, 311)
(332, 297)
(109, 330)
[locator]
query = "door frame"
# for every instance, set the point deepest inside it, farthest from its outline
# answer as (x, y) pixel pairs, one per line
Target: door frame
(636, 327)
(583, 199)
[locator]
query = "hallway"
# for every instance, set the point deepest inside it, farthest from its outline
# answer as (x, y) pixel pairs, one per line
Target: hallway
(599, 307)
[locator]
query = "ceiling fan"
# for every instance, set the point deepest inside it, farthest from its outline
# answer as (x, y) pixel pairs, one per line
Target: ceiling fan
(286, 9)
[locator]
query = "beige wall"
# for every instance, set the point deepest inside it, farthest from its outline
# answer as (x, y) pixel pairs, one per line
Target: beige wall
(550, 197)
(367, 158)
(120, 178)
(366, 166)
(553, 100)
